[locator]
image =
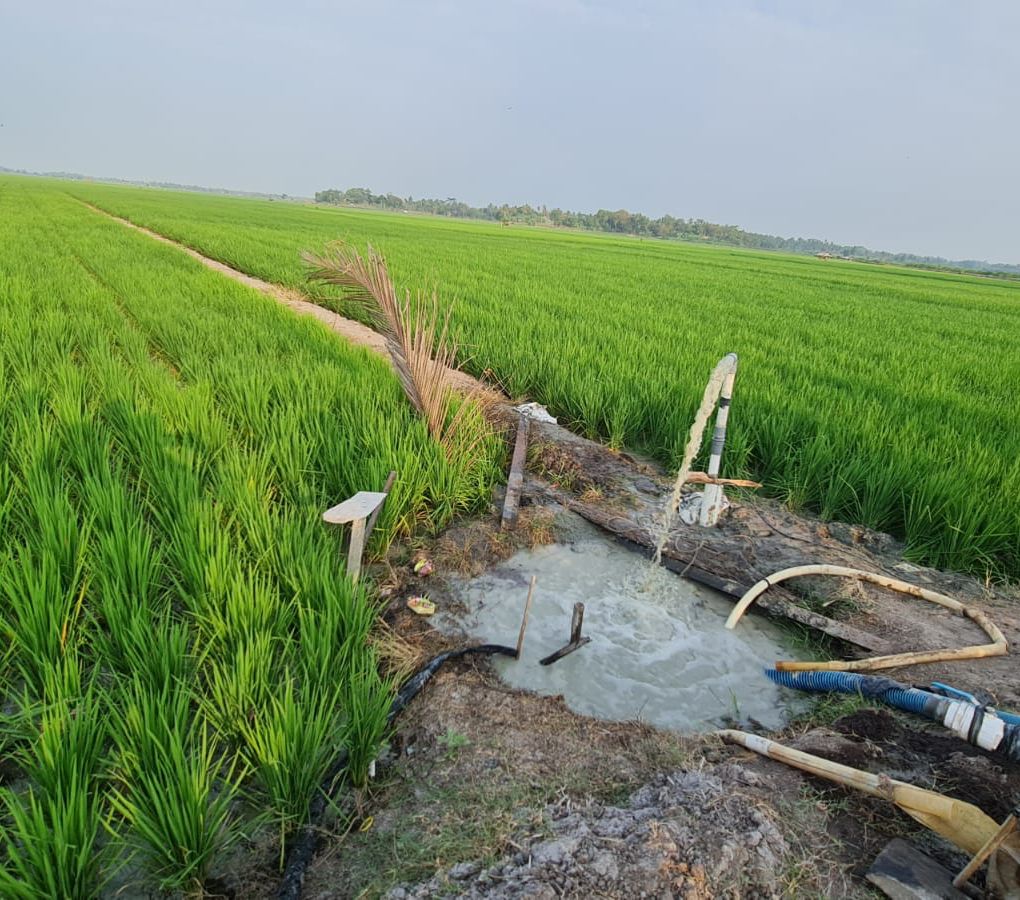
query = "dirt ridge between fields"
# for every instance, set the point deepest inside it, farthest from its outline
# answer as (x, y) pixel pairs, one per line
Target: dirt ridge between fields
(352, 331)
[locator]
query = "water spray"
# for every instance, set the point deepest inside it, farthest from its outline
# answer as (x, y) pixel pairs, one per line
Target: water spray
(719, 389)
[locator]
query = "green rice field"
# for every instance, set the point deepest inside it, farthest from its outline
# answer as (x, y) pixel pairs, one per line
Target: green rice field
(183, 653)
(876, 395)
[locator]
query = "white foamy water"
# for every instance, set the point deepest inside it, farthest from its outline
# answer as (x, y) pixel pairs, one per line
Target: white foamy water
(658, 651)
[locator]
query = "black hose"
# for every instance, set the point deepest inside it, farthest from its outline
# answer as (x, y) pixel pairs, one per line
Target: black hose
(304, 845)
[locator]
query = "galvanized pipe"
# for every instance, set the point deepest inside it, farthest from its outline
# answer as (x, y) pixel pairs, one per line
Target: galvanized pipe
(712, 498)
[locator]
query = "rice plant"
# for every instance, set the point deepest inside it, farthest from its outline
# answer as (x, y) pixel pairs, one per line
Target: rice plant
(174, 792)
(869, 394)
(183, 654)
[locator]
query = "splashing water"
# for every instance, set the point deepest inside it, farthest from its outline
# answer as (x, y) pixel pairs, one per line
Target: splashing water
(660, 654)
(694, 440)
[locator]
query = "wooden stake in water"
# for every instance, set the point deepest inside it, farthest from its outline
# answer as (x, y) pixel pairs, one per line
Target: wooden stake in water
(575, 642)
(524, 619)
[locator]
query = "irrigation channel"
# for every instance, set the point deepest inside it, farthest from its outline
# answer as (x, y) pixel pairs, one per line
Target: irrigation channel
(658, 650)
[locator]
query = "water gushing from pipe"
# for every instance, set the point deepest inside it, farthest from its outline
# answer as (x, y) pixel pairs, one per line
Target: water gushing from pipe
(721, 378)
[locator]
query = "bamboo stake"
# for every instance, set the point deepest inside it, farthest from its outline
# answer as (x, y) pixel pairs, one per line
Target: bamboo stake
(524, 619)
(994, 842)
(997, 647)
(705, 478)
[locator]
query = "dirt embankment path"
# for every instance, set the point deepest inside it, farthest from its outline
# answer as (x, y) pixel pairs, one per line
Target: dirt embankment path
(348, 329)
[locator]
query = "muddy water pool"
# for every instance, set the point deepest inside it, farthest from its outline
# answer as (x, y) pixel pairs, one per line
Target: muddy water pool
(658, 650)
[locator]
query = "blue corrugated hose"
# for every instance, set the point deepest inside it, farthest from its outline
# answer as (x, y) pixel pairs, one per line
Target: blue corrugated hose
(885, 689)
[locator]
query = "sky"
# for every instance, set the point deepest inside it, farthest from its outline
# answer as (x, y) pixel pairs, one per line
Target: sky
(888, 123)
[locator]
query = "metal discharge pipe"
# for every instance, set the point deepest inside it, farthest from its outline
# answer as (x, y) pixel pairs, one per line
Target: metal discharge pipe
(712, 498)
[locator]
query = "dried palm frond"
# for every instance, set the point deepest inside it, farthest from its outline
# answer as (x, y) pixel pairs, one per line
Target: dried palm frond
(417, 339)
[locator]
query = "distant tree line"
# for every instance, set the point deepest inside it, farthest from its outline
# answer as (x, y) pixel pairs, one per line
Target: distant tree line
(667, 227)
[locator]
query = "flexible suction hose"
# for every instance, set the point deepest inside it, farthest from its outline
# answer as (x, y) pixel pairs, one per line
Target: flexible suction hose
(302, 848)
(873, 687)
(978, 725)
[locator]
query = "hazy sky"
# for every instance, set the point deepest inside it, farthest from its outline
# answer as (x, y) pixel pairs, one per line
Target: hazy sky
(891, 124)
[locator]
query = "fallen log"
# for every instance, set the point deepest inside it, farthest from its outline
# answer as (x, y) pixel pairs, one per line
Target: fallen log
(709, 558)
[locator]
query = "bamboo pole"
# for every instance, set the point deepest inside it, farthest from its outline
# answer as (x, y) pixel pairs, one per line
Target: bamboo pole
(994, 842)
(962, 823)
(524, 618)
(997, 647)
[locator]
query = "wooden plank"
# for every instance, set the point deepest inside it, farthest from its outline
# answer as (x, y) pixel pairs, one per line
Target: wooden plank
(524, 618)
(360, 506)
(565, 650)
(515, 481)
(904, 873)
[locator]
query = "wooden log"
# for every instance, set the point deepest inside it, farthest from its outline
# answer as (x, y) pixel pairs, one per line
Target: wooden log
(515, 481)
(524, 618)
(709, 558)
